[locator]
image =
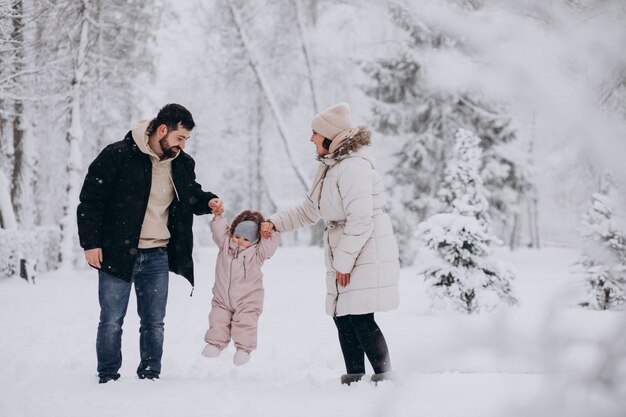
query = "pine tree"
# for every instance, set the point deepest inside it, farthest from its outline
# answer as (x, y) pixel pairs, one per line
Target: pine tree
(462, 190)
(604, 254)
(465, 275)
(425, 118)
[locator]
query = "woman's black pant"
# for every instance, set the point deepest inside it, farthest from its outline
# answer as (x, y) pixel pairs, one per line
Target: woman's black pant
(359, 335)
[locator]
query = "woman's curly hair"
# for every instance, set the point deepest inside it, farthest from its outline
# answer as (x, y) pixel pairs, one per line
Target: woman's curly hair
(255, 216)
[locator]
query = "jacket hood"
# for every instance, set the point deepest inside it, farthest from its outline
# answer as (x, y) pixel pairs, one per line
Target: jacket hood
(141, 139)
(352, 142)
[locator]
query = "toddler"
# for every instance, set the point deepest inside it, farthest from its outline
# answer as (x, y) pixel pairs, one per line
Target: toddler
(238, 290)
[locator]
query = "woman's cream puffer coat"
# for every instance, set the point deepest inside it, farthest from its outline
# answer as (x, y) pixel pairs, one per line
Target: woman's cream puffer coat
(348, 194)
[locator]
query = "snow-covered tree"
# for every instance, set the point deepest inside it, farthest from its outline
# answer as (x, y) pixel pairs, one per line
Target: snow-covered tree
(462, 191)
(464, 274)
(251, 103)
(20, 55)
(425, 117)
(262, 73)
(604, 257)
(18, 58)
(68, 78)
(102, 46)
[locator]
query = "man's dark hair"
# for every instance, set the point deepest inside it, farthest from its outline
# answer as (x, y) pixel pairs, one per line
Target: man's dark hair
(172, 115)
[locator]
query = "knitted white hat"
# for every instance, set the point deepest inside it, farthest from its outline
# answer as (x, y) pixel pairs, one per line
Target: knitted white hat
(332, 121)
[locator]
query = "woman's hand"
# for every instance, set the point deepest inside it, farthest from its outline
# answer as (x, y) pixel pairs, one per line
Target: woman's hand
(267, 227)
(342, 279)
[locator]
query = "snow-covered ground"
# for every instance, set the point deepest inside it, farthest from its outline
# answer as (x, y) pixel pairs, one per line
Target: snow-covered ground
(447, 364)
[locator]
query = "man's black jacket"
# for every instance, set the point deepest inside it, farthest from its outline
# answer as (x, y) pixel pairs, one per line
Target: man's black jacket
(113, 203)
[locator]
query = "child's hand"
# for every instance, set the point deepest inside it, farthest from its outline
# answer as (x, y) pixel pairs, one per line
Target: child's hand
(217, 207)
(267, 228)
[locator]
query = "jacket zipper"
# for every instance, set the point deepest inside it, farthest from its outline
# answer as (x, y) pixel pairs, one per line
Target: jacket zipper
(244, 267)
(230, 276)
(330, 253)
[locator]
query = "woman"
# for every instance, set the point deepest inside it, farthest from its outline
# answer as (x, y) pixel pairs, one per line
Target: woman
(360, 249)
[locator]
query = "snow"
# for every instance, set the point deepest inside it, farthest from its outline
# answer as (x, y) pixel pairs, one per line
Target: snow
(447, 364)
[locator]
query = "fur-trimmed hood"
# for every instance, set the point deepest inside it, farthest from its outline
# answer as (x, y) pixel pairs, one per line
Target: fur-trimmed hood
(349, 143)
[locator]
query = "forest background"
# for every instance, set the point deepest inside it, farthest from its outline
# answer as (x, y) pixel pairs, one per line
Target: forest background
(541, 84)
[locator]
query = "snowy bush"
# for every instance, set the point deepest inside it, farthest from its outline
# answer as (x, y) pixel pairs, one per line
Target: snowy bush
(586, 362)
(465, 275)
(604, 253)
(37, 250)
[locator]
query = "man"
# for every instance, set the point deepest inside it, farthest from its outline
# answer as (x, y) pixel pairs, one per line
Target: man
(134, 223)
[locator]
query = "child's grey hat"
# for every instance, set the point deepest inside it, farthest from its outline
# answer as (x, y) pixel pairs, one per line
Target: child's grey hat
(249, 230)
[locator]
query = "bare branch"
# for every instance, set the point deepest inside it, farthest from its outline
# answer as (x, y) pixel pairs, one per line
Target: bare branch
(261, 80)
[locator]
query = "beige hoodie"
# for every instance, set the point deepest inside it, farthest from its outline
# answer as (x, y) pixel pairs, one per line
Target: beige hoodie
(154, 231)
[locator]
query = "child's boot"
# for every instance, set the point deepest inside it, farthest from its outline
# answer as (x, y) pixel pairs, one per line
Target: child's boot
(241, 357)
(211, 351)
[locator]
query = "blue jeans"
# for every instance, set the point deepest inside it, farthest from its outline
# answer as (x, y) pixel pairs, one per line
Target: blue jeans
(150, 275)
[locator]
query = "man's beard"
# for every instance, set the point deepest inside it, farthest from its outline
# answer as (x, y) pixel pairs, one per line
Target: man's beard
(168, 151)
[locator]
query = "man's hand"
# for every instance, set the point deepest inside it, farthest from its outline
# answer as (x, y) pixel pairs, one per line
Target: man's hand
(267, 227)
(217, 206)
(94, 257)
(342, 279)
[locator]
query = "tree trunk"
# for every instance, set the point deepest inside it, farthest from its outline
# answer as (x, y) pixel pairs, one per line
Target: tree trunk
(317, 230)
(533, 211)
(25, 160)
(7, 215)
(265, 200)
(514, 237)
(307, 56)
(533, 215)
(258, 161)
(74, 142)
(267, 92)
(22, 178)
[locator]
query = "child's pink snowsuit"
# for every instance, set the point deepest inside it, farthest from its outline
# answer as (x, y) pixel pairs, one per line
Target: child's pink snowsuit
(238, 291)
